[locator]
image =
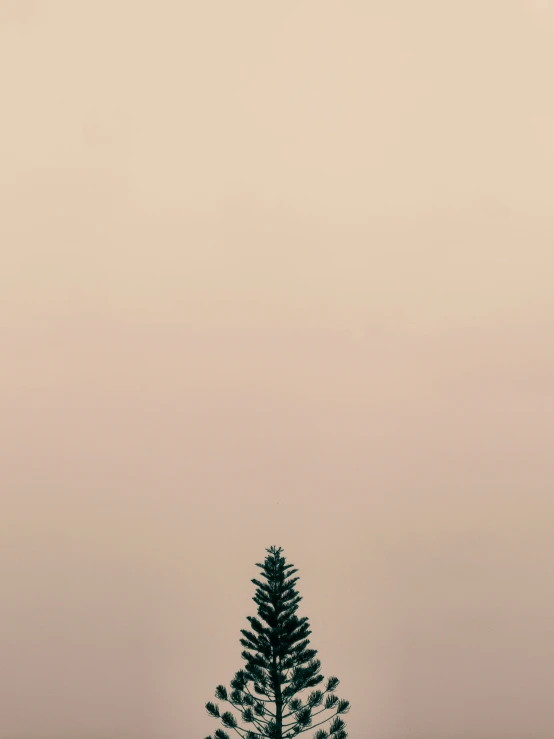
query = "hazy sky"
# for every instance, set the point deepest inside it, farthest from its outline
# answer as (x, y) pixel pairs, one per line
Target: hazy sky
(276, 273)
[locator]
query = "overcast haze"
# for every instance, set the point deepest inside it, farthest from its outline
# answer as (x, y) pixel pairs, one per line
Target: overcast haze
(276, 273)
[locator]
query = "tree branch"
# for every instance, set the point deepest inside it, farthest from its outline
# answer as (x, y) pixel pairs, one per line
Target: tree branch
(240, 709)
(260, 699)
(313, 714)
(308, 728)
(293, 712)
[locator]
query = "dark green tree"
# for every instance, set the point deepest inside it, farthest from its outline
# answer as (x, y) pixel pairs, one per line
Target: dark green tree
(279, 666)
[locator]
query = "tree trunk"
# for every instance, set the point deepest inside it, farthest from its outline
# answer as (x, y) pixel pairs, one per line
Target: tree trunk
(278, 700)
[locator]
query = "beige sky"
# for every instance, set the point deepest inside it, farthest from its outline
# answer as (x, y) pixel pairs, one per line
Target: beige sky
(276, 273)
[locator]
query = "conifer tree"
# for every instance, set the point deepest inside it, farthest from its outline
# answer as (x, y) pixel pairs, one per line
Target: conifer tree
(279, 666)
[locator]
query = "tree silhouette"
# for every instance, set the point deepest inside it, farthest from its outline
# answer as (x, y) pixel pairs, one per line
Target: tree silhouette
(279, 666)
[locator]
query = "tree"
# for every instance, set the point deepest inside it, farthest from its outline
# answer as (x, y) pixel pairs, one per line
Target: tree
(279, 666)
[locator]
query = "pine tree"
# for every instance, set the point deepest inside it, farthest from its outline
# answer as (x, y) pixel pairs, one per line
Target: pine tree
(279, 666)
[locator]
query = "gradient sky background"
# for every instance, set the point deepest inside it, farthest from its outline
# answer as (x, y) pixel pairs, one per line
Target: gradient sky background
(277, 273)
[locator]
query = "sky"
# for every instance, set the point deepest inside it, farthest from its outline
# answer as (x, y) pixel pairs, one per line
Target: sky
(276, 274)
